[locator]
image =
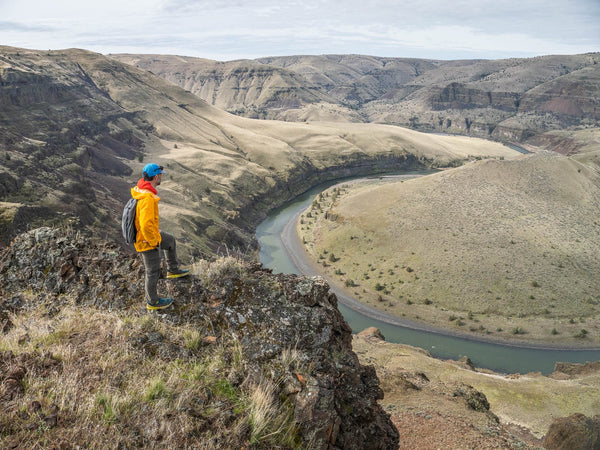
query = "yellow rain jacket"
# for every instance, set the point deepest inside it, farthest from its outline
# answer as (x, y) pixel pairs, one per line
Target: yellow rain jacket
(146, 217)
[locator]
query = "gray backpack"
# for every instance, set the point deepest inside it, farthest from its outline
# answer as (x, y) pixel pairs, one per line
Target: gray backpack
(128, 221)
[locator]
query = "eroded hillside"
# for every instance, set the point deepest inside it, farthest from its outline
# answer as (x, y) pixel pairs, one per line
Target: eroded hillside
(78, 127)
(518, 99)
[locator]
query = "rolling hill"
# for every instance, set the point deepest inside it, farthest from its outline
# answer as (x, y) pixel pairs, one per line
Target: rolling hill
(502, 249)
(77, 127)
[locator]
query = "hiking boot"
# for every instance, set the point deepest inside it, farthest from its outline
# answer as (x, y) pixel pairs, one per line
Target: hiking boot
(161, 304)
(178, 273)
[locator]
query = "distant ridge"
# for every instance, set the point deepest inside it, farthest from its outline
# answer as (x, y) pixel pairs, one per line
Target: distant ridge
(517, 99)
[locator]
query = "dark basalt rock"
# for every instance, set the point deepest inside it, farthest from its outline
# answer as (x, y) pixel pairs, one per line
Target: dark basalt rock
(576, 432)
(334, 398)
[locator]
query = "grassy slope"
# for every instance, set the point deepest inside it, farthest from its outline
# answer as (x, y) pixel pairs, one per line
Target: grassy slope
(106, 379)
(218, 163)
(510, 245)
(532, 401)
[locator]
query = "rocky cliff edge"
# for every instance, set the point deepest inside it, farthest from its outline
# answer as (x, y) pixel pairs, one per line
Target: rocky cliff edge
(245, 358)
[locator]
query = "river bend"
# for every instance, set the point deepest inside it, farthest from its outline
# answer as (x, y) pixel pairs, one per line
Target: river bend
(281, 251)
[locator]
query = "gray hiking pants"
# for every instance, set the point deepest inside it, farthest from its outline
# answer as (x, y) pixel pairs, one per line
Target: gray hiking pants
(152, 264)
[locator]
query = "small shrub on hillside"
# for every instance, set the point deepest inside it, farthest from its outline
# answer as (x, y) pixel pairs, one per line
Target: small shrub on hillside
(582, 334)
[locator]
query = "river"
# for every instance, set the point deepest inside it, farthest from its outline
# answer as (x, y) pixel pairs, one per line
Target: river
(499, 357)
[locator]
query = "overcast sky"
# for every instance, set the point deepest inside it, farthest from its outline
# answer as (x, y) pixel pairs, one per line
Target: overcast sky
(234, 29)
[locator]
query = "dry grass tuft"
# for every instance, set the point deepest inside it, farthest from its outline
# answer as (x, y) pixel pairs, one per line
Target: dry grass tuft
(269, 421)
(107, 380)
(210, 272)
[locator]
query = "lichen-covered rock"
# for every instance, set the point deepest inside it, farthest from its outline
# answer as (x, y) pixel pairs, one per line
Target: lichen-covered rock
(334, 397)
(475, 399)
(58, 268)
(576, 432)
(289, 328)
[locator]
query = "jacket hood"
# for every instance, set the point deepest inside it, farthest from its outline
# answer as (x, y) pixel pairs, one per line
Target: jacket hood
(146, 185)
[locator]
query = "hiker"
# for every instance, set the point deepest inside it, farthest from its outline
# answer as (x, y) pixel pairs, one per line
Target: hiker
(150, 239)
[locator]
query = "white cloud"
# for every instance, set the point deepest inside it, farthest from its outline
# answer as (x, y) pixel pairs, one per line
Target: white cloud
(231, 29)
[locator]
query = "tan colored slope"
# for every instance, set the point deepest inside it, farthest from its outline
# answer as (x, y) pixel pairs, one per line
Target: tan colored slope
(502, 249)
(237, 156)
(509, 99)
(181, 117)
(241, 85)
(219, 165)
(531, 401)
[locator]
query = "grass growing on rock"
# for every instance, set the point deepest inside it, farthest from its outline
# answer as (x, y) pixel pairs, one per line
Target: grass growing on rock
(109, 379)
(238, 361)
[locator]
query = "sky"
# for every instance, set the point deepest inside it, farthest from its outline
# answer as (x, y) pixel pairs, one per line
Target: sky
(225, 30)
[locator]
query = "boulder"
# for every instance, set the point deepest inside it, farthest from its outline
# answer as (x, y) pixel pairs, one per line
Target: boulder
(575, 432)
(372, 333)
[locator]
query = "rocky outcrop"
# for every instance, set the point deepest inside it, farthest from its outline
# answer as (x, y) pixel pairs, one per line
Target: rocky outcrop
(372, 333)
(576, 432)
(289, 329)
(565, 370)
(460, 96)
